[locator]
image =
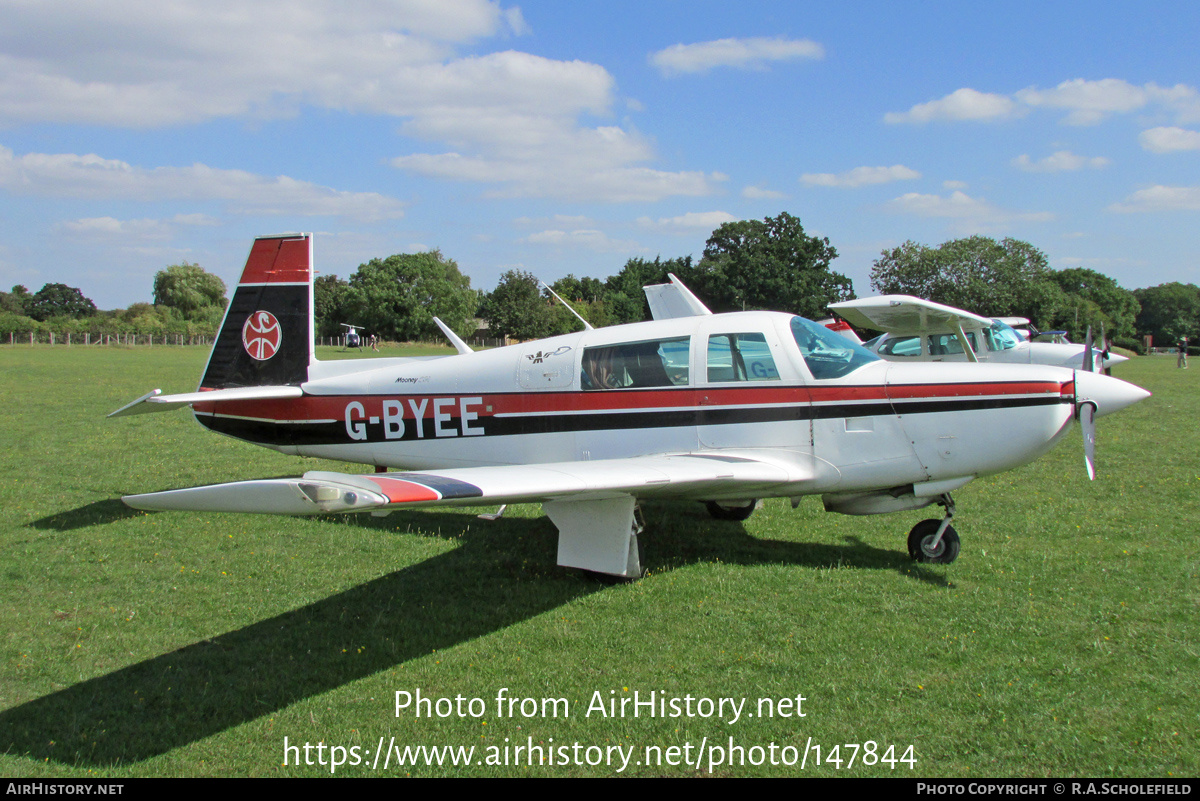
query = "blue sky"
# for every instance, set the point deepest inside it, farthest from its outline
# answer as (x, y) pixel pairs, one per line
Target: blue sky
(569, 137)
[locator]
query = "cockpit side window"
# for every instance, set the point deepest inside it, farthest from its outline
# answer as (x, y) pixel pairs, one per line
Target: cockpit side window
(740, 357)
(633, 365)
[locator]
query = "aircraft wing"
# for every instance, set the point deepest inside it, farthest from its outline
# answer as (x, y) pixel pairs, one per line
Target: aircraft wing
(707, 476)
(904, 314)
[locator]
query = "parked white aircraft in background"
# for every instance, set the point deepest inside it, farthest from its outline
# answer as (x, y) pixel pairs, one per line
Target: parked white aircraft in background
(719, 408)
(921, 330)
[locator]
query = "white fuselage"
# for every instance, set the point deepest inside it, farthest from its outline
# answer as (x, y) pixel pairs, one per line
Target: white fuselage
(713, 384)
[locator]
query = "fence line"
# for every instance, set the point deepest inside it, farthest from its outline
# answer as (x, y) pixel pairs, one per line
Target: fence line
(151, 340)
(120, 339)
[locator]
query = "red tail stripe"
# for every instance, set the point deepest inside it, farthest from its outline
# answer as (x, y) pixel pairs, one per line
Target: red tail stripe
(277, 261)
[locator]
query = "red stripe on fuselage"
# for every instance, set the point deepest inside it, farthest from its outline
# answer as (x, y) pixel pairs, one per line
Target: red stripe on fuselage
(333, 407)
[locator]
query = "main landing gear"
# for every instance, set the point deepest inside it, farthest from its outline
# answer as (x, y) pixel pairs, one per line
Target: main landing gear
(732, 510)
(935, 541)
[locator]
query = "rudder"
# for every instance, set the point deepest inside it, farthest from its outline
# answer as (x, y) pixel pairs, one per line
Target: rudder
(266, 338)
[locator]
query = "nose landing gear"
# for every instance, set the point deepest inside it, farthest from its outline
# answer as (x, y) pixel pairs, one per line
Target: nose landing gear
(935, 541)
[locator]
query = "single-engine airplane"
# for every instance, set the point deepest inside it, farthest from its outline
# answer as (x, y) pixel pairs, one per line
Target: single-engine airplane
(921, 330)
(719, 408)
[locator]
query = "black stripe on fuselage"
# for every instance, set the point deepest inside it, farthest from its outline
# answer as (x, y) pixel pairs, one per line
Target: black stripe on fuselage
(292, 432)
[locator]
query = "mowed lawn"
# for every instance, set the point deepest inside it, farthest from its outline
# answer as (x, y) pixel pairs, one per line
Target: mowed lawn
(1065, 641)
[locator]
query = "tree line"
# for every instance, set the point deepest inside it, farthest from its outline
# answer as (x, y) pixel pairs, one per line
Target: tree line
(188, 302)
(749, 264)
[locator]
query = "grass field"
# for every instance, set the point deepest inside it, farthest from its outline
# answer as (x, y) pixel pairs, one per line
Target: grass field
(1064, 641)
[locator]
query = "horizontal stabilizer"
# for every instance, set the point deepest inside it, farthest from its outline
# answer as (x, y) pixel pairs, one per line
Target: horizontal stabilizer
(155, 401)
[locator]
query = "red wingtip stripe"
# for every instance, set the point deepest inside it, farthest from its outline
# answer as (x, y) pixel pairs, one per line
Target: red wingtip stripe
(400, 491)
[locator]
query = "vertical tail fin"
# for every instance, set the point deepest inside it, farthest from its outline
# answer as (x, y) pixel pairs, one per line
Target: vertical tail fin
(266, 338)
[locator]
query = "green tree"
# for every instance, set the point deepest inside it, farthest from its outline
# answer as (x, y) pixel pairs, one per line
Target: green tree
(586, 297)
(329, 301)
(17, 301)
(978, 274)
(624, 300)
(516, 308)
(1116, 308)
(190, 290)
(1169, 311)
(398, 297)
(59, 300)
(768, 264)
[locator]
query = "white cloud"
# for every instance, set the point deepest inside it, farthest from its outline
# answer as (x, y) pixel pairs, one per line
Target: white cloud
(761, 193)
(1169, 140)
(1160, 198)
(507, 118)
(93, 177)
(1060, 161)
(861, 176)
(559, 176)
(141, 229)
(142, 63)
(560, 220)
(746, 53)
(689, 222)
(954, 184)
(969, 212)
(1087, 102)
(587, 239)
(962, 104)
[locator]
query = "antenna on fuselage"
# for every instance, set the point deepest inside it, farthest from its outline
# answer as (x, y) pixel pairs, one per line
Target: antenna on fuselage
(586, 324)
(455, 340)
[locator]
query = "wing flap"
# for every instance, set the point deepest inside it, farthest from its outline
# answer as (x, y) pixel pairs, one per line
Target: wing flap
(700, 476)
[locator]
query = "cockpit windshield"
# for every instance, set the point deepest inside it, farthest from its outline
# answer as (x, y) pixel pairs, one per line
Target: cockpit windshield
(1004, 336)
(827, 354)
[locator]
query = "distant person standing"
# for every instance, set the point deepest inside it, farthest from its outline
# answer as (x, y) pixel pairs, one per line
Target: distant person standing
(1183, 345)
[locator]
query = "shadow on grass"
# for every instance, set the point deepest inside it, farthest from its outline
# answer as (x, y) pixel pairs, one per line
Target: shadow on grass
(499, 576)
(94, 514)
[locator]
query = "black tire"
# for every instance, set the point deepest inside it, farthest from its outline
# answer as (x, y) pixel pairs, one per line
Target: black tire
(922, 535)
(723, 511)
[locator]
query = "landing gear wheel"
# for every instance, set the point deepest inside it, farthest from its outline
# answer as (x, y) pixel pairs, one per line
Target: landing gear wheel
(724, 511)
(920, 540)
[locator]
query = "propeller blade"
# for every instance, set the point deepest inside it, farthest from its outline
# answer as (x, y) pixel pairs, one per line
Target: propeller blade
(1087, 422)
(1089, 359)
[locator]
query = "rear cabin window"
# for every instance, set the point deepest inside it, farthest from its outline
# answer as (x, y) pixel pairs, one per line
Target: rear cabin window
(902, 346)
(948, 344)
(740, 357)
(634, 365)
